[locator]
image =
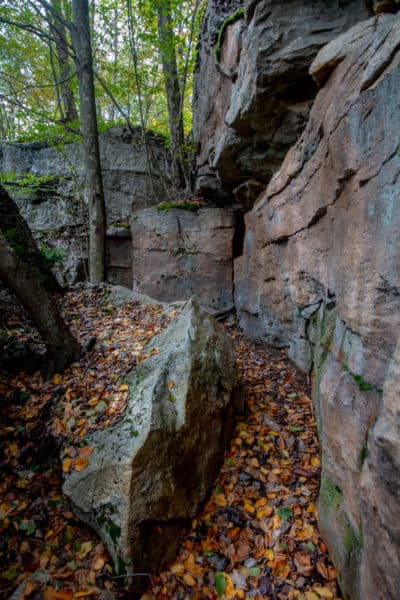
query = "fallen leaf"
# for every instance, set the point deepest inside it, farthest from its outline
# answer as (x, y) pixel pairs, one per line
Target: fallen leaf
(323, 591)
(51, 594)
(80, 463)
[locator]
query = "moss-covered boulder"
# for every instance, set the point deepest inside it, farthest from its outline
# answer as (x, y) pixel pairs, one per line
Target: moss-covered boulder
(150, 472)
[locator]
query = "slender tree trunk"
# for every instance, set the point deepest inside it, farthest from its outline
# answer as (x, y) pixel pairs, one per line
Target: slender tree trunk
(80, 36)
(64, 84)
(171, 82)
(19, 236)
(62, 348)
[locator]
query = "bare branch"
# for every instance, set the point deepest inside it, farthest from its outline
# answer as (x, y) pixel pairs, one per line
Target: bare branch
(54, 12)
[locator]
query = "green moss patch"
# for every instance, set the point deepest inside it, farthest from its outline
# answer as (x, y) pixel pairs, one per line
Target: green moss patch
(235, 16)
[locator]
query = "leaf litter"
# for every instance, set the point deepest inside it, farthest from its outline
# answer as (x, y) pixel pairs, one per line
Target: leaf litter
(257, 536)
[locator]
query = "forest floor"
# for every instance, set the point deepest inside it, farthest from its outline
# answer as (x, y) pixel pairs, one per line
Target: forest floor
(257, 536)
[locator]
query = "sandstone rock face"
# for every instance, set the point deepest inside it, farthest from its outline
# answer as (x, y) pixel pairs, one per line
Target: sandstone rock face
(178, 253)
(320, 275)
(151, 471)
(252, 104)
(56, 210)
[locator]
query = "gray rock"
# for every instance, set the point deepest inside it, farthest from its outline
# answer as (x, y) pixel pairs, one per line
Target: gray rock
(150, 472)
(252, 105)
(56, 211)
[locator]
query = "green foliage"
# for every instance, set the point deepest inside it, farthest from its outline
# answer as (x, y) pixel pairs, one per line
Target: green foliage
(363, 386)
(220, 583)
(10, 235)
(190, 206)
(235, 16)
(27, 182)
(284, 513)
(29, 103)
(53, 255)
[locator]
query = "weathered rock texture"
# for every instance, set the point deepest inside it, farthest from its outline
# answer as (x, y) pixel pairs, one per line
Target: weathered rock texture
(320, 274)
(178, 253)
(56, 210)
(252, 104)
(150, 472)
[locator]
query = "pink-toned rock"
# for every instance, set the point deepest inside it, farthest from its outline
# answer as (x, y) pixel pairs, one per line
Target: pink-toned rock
(178, 253)
(320, 275)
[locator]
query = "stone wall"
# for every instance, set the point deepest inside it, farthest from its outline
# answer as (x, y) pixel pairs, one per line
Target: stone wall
(178, 253)
(320, 274)
(56, 208)
(252, 101)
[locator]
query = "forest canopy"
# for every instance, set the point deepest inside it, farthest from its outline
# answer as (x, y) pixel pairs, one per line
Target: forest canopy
(37, 67)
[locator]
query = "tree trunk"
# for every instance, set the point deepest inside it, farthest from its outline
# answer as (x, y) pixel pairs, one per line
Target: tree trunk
(64, 84)
(19, 236)
(171, 82)
(62, 348)
(80, 36)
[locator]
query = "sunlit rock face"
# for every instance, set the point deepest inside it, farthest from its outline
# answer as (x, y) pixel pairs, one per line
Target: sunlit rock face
(320, 275)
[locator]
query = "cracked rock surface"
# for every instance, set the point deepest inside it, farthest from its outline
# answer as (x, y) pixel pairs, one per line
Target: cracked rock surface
(320, 275)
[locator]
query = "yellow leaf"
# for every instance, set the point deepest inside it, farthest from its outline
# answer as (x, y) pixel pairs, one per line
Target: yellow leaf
(220, 500)
(66, 465)
(311, 596)
(57, 379)
(248, 507)
(97, 563)
(229, 591)
(123, 387)
(80, 463)
(85, 548)
(323, 591)
(177, 570)
(315, 461)
(269, 554)
(265, 511)
(189, 580)
(261, 502)
(170, 384)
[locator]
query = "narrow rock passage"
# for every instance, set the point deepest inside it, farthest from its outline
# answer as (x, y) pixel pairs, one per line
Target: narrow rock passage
(257, 536)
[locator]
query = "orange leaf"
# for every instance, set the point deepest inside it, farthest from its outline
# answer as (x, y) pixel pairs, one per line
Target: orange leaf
(51, 594)
(66, 465)
(97, 563)
(83, 593)
(80, 463)
(29, 587)
(85, 451)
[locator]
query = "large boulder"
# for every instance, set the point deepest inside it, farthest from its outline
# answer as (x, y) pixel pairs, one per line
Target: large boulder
(253, 93)
(320, 275)
(150, 472)
(178, 253)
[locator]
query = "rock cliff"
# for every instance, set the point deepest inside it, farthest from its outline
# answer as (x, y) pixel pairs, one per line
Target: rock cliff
(253, 91)
(49, 187)
(319, 274)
